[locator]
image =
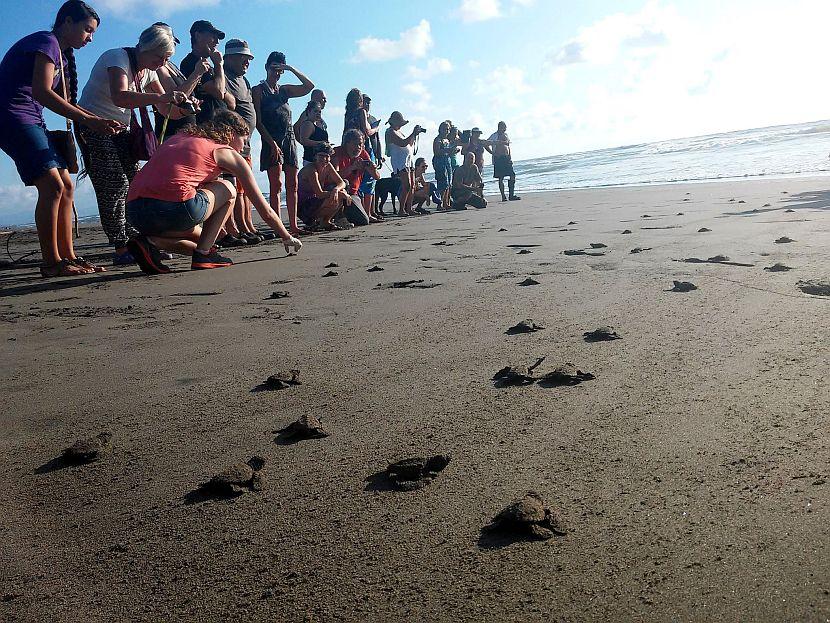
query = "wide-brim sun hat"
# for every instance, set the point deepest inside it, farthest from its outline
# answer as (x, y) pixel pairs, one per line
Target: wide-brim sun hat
(397, 118)
(238, 46)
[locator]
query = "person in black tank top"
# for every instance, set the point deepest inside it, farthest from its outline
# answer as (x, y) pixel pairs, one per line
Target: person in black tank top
(311, 132)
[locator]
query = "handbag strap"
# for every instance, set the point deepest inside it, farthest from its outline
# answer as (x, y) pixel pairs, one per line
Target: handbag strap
(63, 84)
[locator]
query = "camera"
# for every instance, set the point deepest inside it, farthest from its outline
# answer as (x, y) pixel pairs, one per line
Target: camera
(466, 135)
(188, 107)
(420, 130)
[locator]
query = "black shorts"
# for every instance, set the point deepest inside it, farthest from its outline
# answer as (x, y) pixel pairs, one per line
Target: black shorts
(268, 159)
(503, 167)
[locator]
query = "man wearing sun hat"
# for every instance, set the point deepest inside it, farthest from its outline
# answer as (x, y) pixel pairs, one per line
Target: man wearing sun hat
(476, 146)
(204, 39)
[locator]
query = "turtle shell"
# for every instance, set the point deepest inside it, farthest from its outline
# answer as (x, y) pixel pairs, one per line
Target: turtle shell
(601, 334)
(526, 510)
(88, 450)
(567, 374)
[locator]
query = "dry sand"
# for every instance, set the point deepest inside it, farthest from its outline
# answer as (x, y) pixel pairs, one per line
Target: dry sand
(691, 473)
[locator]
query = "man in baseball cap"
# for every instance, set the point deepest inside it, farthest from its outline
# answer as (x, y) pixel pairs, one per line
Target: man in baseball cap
(476, 146)
(204, 39)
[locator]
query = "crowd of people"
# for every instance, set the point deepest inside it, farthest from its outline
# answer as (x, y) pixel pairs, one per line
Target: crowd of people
(196, 192)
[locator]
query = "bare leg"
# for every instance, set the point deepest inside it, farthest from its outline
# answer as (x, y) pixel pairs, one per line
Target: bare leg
(246, 212)
(275, 187)
(221, 196)
(65, 216)
(182, 242)
(501, 189)
(50, 190)
(291, 198)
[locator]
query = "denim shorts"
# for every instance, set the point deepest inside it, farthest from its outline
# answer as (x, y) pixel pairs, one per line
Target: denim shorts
(30, 148)
(153, 217)
(443, 172)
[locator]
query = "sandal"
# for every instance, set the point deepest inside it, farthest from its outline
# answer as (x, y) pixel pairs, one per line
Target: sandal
(87, 265)
(64, 268)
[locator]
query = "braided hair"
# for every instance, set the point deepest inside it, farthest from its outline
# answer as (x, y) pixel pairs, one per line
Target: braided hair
(75, 10)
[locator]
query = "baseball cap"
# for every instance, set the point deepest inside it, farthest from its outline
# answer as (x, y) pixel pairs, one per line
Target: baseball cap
(203, 25)
(237, 46)
(175, 38)
(475, 131)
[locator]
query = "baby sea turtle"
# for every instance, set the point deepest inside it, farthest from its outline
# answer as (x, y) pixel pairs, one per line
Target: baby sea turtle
(814, 288)
(331, 273)
(683, 286)
(646, 216)
(627, 231)
(516, 375)
(332, 265)
(571, 222)
(767, 205)
(374, 269)
(640, 249)
(784, 240)
(238, 478)
(414, 473)
(283, 380)
(742, 201)
(703, 230)
(778, 267)
(529, 282)
(502, 229)
(718, 259)
(680, 214)
(523, 251)
(306, 427)
(602, 334)
(279, 294)
(566, 374)
(598, 245)
(573, 252)
(525, 326)
(528, 517)
(789, 211)
(89, 450)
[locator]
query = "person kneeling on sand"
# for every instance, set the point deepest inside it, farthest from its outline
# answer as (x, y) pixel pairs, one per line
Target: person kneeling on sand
(178, 203)
(467, 185)
(321, 192)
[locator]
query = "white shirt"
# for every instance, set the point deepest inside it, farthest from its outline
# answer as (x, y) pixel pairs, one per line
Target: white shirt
(96, 95)
(400, 157)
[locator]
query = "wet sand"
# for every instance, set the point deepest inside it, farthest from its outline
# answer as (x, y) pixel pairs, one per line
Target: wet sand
(691, 473)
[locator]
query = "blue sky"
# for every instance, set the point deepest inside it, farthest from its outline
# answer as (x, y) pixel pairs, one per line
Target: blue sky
(565, 76)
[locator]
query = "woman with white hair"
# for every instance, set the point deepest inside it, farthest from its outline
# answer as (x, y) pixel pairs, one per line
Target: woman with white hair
(123, 79)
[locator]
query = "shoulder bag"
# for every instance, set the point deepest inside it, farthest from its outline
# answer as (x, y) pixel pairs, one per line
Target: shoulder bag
(63, 141)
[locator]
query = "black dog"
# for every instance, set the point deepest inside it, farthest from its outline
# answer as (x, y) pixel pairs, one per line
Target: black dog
(384, 187)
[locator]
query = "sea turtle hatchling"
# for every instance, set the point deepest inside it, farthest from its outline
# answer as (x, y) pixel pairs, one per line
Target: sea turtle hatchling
(238, 478)
(566, 374)
(528, 517)
(511, 376)
(601, 334)
(598, 245)
(89, 450)
(414, 473)
(525, 326)
(529, 282)
(283, 380)
(784, 240)
(683, 286)
(306, 427)
(778, 267)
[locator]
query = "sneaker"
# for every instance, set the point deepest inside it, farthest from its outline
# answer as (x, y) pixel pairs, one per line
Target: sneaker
(266, 235)
(147, 256)
(229, 240)
(250, 238)
(123, 259)
(211, 259)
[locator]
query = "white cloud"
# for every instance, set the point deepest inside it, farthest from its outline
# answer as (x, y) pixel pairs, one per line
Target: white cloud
(504, 87)
(153, 7)
(433, 67)
(413, 43)
(479, 10)
(423, 97)
(604, 41)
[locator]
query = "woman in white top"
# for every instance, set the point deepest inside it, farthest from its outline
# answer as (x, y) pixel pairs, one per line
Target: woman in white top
(399, 148)
(111, 93)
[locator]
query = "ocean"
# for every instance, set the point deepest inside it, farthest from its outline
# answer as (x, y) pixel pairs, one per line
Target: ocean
(779, 151)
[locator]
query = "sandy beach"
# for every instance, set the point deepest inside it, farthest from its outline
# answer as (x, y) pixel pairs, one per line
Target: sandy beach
(691, 472)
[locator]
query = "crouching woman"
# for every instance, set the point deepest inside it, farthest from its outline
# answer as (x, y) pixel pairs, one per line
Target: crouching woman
(178, 202)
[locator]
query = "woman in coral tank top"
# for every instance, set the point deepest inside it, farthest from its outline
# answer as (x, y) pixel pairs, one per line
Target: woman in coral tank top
(178, 202)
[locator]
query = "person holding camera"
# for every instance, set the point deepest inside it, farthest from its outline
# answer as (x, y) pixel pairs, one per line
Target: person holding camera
(123, 79)
(354, 164)
(210, 90)
(467, 185)
(400, 149)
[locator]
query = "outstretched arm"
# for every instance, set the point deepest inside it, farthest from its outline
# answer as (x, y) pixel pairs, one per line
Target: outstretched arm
(231, 161)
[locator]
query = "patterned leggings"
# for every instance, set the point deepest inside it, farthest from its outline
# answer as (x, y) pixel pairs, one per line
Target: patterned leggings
(111, 169)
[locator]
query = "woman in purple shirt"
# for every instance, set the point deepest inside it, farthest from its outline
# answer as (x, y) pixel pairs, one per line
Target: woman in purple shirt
(30, 78)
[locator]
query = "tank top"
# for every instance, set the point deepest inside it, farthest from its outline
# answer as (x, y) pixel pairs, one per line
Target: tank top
(319, 134)
(276, 113)
(401, 157)
(352, 121)
(177, 169)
